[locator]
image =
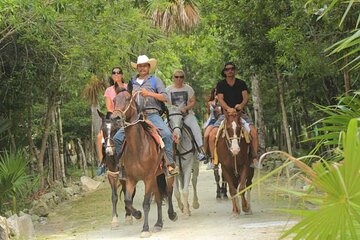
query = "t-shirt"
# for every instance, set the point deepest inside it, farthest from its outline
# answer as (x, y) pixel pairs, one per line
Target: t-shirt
(232, 94)
(111, 94)
(180, 96)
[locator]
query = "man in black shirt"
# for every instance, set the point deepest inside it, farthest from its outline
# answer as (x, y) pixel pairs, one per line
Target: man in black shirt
(232, 93)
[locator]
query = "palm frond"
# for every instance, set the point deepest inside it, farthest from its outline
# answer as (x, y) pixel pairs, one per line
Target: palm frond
(92, 90)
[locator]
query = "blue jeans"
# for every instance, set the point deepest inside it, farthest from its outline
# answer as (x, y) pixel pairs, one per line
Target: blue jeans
(164, 132)
(119, 140)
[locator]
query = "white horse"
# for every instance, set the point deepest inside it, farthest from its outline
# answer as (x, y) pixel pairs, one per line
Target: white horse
(186, 160)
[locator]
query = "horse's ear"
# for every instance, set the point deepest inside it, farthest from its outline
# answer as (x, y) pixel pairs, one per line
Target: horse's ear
(101, 115)
(130, 87)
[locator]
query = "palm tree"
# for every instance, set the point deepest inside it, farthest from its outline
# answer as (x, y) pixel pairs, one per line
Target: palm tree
(91, 93)
(173, 15)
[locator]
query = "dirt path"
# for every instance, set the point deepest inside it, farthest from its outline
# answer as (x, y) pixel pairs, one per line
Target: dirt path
(89, 217)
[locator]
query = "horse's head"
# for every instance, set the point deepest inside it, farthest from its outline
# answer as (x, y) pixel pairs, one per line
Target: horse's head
(125, 106)
(233, 130)
(176, 121)
(109, 127)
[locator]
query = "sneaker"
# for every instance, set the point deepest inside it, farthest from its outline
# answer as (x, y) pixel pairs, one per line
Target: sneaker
(210, 166)
(201, 157)
(100, 171)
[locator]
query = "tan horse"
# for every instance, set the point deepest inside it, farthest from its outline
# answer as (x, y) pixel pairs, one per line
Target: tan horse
(143, 159)
(233, 152)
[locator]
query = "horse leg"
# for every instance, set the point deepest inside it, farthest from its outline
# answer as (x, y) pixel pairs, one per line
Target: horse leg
(128, 216)
(129, 195)
(146, 207)
(232, 190)
(159, 223)
(217, 180)
(223, 189)
(185, 197)
(169, 188)
(114, 199)
(194, 178)
(177, 193)
(245, 197)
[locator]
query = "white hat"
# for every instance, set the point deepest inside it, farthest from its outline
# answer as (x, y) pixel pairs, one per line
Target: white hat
(144, 59)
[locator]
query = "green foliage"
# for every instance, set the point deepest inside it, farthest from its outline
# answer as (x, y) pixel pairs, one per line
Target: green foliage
(14, 181)
(327, 131)
(339, 203)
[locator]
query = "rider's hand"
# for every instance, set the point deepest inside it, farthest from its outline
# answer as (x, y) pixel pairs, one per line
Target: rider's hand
(183, 110)
(145, 93)
(231, 110)
(238, 107)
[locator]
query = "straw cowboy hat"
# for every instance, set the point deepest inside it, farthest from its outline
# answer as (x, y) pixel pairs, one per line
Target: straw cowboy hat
(144, 59)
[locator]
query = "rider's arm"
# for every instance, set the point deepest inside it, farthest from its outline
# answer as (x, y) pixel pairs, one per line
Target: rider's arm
(223, 104)
(190, 104)
(242, 105)
(157, 96)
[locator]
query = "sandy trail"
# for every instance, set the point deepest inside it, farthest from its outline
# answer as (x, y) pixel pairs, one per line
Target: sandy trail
(89, 217)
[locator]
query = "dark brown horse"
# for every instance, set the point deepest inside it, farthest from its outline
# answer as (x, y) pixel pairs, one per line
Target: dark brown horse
(143, 158)
(233, 151)
(109, 127)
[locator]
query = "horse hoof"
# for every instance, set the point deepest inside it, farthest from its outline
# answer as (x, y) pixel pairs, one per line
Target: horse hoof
(157, 229)
(234, 215)
(115, 225)
(146, 234)
(173, 217)
(248, 212)
(138, 215)
(196, 205)
(128, 220)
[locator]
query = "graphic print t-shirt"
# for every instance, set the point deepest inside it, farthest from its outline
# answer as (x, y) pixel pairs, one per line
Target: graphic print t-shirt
(180, 96)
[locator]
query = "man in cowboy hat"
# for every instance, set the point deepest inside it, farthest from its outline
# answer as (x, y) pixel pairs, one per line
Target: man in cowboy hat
(152, 92)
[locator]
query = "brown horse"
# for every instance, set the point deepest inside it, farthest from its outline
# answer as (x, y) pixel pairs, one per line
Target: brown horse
(233, 152)
(109, 127)
(143, 158)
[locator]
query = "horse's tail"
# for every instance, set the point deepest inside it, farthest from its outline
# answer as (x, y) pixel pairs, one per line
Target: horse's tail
(161, 182)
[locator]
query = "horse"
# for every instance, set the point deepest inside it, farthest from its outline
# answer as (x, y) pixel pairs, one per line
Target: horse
(233, 152)
(143, 160)
(109, 127)
(185, 158)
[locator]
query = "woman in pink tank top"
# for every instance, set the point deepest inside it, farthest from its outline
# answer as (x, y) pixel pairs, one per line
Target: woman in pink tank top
(110, 93)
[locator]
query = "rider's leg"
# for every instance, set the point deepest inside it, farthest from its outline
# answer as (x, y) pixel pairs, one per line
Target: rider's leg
(254, 142)
(206, 139)
(167, 138)
(119, 140)
(99, 147)
(191, 121)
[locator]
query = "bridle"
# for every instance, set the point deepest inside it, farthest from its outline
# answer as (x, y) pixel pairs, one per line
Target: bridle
(130, 105)
(181, 127)
(229, 139)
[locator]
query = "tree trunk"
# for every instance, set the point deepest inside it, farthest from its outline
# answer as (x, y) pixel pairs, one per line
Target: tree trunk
(95, 129)
(82, 157)
(39, 155)
(283, 112)
(258, 110)
(61, 147)
(55, 146)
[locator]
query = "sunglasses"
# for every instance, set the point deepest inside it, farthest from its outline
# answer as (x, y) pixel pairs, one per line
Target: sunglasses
(178, 76)
(117, 72)
(230, 68)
